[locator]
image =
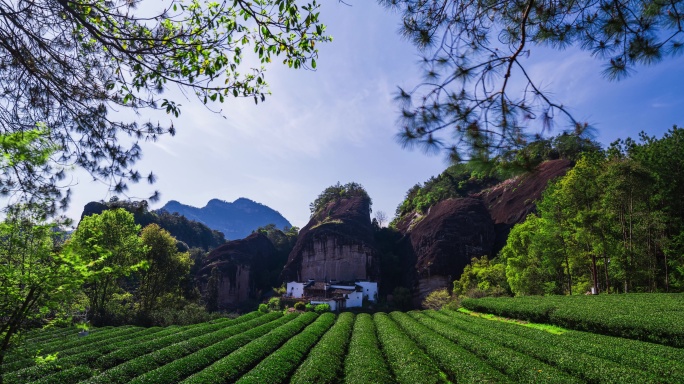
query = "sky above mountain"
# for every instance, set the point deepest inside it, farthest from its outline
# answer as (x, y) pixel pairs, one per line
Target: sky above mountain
(338, 123)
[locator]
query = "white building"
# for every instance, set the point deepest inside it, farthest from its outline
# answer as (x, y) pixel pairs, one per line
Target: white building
(347, 296)
(369, 289)
(295, 289)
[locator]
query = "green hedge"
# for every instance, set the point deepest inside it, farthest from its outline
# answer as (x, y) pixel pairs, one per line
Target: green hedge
(589, 368)
(103, 346)
(461, 365)
(125, 354)
(660, 360)
(126, 371)
(364, 362)
(278, 366)
(324, 363)
(231, 367)
(68, 376)
(517, 366)
(408, 362)
(186, 366)
(70, 340)
(652, 317)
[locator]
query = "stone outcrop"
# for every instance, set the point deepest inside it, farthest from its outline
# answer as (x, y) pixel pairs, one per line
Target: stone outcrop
(511, 201)
(447, 238)
(336, 244)
(453, 231)
(239, 263)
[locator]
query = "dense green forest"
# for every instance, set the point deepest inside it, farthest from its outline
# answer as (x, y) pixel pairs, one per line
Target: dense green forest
(614, 223)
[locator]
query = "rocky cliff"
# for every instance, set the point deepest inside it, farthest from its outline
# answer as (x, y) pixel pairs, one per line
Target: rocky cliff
(336, 244)
(240, 265)
(453, 231)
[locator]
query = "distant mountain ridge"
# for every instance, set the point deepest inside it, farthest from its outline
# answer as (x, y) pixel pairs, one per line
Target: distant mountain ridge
(235, 220)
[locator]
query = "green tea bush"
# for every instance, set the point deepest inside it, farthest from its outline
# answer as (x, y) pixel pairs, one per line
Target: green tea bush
(659, 360)
(517, 366)
(101, 345)
(323, 365)
(459, 364)
(231, 367)
(67, 376)
(278, 366)
(122, 355)
(54, 345)
(589, 368)
(364, 362)
(124, 372)
(322, 308)
(181, 368)
(652, 317)
(409, 364)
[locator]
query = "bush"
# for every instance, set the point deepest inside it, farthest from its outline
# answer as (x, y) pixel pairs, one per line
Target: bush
(458, 363)
(407, 361)
(233, 366)
(274, 304)
(519, 367)
(181, 368)
(263, 308)
(309, 307)
(323, 365)
(437, 299)
(300, 306)
(322, 308)
(364, 362)
(279, 365)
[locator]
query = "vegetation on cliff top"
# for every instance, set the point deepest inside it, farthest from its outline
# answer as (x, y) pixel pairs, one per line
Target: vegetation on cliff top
(463, 179)
(337, 192)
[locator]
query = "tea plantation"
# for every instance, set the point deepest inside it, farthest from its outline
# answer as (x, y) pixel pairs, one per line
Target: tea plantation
(414, 347)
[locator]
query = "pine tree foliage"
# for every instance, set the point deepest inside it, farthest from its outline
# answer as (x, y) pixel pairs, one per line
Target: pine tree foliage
(65, 65)
(478, 99)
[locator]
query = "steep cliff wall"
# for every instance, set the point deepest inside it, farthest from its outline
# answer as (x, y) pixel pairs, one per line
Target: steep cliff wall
(511, 201)
(453, 231)
(336, 244)
(240, 263)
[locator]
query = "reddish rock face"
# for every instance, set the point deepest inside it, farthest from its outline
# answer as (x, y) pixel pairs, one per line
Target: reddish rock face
(455, 230)
(336, 244)
(238, 262)
(511, 201)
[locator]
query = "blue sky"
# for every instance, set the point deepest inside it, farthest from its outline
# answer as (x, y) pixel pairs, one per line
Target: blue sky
(338, 123)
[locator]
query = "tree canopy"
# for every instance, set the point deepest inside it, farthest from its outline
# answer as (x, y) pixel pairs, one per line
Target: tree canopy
(478, 99)
(337, 192)
(65, 65)
(36, 279)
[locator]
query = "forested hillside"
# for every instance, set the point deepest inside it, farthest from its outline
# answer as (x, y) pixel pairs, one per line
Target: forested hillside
(614, 223)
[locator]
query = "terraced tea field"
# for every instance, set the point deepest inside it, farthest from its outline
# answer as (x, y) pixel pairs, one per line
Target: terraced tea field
(414, 347)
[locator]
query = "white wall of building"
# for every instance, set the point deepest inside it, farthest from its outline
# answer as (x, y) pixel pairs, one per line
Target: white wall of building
(354, 299)
(295, 289)
(369, 289)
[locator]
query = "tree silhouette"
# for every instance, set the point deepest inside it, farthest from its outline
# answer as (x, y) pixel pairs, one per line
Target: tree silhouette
(66, 64)
(478, 98)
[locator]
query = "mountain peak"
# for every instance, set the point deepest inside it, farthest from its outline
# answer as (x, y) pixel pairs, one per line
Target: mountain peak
(236, 220)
